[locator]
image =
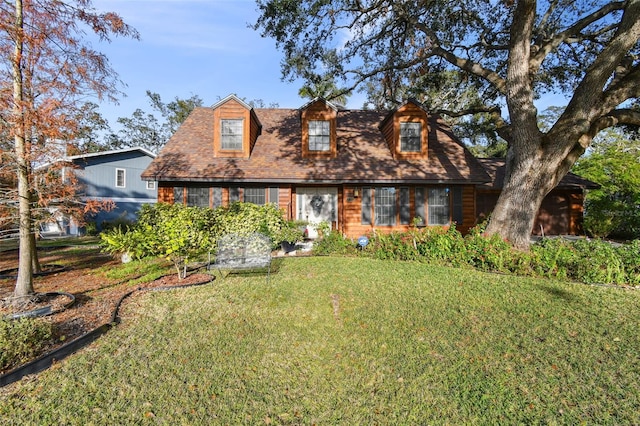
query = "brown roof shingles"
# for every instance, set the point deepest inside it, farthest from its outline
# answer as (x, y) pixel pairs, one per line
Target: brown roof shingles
(363, 155)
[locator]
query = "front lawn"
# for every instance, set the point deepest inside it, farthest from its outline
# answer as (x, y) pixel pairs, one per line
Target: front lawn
(353, 341)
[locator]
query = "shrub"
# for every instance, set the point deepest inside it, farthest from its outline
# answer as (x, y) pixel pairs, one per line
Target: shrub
(553, 257)
(22, 339)
(439, 244)
(596, 261)
(333, 242)
(630, 257)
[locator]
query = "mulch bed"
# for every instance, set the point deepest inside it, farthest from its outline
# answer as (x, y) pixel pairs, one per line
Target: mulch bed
(96, 297)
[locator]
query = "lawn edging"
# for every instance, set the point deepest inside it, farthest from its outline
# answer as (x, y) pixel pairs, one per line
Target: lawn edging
(45, 361)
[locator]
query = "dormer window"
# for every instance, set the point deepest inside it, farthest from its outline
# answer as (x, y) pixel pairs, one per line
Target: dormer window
(231, 134)
(318, 128)
(410, 137)
(319, 135)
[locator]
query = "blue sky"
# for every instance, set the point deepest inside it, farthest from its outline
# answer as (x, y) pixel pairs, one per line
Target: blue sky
(204, 48)
(188, 47)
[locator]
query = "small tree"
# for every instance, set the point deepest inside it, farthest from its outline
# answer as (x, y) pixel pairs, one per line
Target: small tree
(51, 71)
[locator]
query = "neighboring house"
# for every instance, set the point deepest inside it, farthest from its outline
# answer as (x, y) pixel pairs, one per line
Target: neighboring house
(357, 170)
(114, 175)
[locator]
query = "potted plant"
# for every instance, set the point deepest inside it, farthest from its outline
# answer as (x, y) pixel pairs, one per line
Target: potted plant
(289, 235)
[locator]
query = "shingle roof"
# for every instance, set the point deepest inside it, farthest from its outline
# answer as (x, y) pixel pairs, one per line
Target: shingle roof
(363, 155)
(495, 167)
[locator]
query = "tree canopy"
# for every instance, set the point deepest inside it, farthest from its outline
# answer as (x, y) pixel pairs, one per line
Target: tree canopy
(491, 57)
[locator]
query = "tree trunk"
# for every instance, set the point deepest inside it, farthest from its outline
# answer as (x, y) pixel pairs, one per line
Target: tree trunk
(24, 282)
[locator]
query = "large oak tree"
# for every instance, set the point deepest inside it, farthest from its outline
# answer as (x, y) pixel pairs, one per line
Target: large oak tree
(48, 68)
(507, 52)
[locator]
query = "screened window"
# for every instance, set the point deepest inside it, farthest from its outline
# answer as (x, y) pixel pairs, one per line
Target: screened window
(274, 195)
(120, 178)
(419, 213)
(405, 212)
(438, 205)
(366, 206)
(410, 134)
(217, 197)
(234, 194)
(385, 206)
(255, 196)
(231, 134)
(456, 205)
(151, 184)
(198, 196)
(319, 132)
(178, 195)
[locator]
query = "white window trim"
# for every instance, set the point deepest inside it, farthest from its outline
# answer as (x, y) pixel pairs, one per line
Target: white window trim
(151, 185)
(124, 178)
(222, 135)
(406, 124)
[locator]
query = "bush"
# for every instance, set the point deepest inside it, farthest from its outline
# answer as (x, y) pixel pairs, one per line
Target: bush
(22, 339)
(182, 233)
(597, 261)
(588, 261)
(333, 242)
(630, 256)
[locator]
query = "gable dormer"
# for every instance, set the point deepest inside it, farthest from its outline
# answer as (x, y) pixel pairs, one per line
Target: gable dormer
(318, 119)
(406, 131)
(236, 128)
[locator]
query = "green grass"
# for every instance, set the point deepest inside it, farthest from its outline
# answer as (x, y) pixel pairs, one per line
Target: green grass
(353, 341)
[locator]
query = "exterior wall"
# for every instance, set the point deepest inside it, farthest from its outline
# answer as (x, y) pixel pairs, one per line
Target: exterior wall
(560, 212)
(97, 176)
(349, 204)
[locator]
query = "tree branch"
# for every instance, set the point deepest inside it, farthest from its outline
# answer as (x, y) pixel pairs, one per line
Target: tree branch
(542, 50)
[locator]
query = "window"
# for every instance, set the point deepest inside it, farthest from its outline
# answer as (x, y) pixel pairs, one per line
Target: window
(274, 193)
(151, 185)
(120, 178)
(366, 206)
(438, 205)
(456, 205)
(234, 194)
(405, 213)
(420, 206)
(217, 197)
(255, 196)
(178, 195)
(384, 206)
(319, 132)
(410, 135)
(231, 134)
(198, 196)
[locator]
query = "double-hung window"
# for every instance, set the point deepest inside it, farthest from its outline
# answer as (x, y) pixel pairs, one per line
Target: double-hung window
(120, 178)
(231, 134)
(438, 205)
(198, 196)
(255, 196)
(410, 137)
(319, 135)
(385, 206)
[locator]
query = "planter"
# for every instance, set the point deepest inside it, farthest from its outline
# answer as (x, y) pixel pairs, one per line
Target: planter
(287, 246)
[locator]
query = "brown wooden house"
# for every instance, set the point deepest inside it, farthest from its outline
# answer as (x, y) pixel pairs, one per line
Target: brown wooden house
(358, 170)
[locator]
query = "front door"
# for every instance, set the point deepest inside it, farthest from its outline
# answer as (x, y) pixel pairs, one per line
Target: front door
(317, 205)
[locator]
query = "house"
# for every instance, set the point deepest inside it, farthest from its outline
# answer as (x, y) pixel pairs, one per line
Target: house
(114, 175)
(561, 210)
(358, 170)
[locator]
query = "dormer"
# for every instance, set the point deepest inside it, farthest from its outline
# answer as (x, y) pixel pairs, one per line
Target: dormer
(318, 119)
(236, 128)
(406, 131)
